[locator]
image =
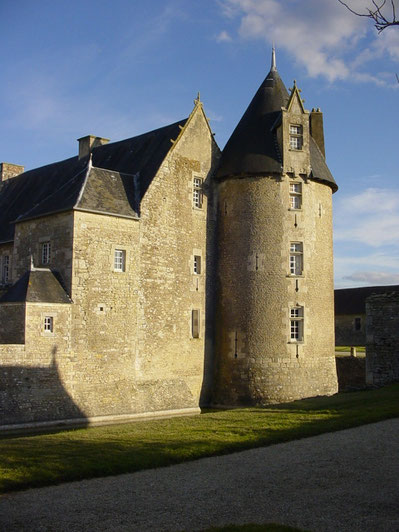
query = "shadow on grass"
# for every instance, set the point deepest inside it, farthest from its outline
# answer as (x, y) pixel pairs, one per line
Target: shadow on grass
(102, 451)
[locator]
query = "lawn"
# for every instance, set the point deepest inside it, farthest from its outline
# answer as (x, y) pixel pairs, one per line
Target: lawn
(347, 348)
(46, 459)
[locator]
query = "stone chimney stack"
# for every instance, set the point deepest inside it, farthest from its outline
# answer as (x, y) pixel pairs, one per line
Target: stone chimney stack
(8, 170)
(316, 129)
(86, 144)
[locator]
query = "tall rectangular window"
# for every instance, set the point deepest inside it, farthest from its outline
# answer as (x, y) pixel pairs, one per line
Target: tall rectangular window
(296, 324)
(197, 264)
(197, 192)
(5, 270)
(296, 137)
(195, 323)
(358, 324)
(119, 260)
(296, 258)
(295, 195)
(48, 324)
(46, 252)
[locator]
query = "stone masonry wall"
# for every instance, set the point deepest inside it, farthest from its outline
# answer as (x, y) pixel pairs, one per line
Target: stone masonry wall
(345, 333)
(382, 339)
(29, 237)
(256, 360)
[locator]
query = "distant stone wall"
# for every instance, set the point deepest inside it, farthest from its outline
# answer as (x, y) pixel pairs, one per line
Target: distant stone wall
(382, 338)
(346, 332)
(351, 373)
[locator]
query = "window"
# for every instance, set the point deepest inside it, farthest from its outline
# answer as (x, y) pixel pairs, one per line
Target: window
(358, 324)
(197, 264)
(296, 258)
(197, 192)
(119, 260)
(296, 324)
(296, 137)
(195, 323)
(46, 251)
(5, 271)
(295, 195)
(48, 324)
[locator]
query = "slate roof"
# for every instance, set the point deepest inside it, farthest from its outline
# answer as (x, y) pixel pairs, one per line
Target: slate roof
(253, 148)
(36, 286)
(61, 186)
(353, 300)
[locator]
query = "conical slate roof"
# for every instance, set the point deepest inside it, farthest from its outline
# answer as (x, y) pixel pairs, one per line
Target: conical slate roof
(252, 148)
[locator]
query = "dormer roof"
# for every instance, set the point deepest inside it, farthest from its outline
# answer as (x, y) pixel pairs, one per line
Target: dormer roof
(252, 147)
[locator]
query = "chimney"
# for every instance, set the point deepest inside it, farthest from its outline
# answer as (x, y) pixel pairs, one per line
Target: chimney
(316, 129)
(86, 144)
(8, 170)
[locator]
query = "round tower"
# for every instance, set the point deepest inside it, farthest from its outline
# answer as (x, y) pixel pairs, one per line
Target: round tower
(275, 314)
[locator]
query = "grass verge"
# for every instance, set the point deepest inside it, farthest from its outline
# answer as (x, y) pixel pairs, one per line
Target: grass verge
(347, 348)
(46, 459)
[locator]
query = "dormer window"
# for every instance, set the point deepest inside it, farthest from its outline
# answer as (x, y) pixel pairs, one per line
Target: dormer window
(296, 137)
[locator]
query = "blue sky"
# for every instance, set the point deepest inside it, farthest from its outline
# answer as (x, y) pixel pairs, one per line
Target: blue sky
(117, 69)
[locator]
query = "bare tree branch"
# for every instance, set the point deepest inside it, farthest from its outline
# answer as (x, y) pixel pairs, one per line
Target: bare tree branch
(376, 15)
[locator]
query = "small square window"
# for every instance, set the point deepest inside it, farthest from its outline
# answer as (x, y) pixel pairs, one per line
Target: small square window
(197, 192)
(48, 324)
(46, 252)
(119, 260)
(197, 264)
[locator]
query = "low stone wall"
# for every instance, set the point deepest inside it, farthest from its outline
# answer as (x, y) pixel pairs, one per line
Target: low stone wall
(382, 339)
(351, 373)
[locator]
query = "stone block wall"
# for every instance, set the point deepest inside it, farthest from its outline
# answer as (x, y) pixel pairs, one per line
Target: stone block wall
(382, 339)
(345, 332)
(29, 237)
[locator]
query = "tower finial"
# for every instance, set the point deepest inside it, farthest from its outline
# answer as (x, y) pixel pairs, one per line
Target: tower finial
(273, 67)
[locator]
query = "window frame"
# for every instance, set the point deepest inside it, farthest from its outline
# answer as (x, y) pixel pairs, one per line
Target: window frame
(295, 189)
(119, 265)
(296, 319)
(45, 252)
(5, 269)
(296, 259)
(48, 325)
(197, 197)
(197, 266)
(296, 137)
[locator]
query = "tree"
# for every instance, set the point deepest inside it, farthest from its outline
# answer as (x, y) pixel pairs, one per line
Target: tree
(375, 14)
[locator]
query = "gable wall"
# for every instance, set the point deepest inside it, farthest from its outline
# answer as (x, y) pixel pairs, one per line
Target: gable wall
(172, 232)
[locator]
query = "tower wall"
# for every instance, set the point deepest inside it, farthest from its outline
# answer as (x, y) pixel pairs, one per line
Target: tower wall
(257, 362)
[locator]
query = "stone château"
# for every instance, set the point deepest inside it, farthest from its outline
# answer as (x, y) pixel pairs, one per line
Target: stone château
(155, 275)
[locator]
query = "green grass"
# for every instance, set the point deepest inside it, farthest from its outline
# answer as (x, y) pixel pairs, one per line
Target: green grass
(347, 348)
(46, 459)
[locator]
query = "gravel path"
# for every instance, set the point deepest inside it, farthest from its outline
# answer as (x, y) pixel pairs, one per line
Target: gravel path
(344, 481)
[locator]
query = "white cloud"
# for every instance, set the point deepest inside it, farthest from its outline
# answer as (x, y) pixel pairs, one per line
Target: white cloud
(371, 218)
(320, 34)
(223, 37)
(377, 278)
